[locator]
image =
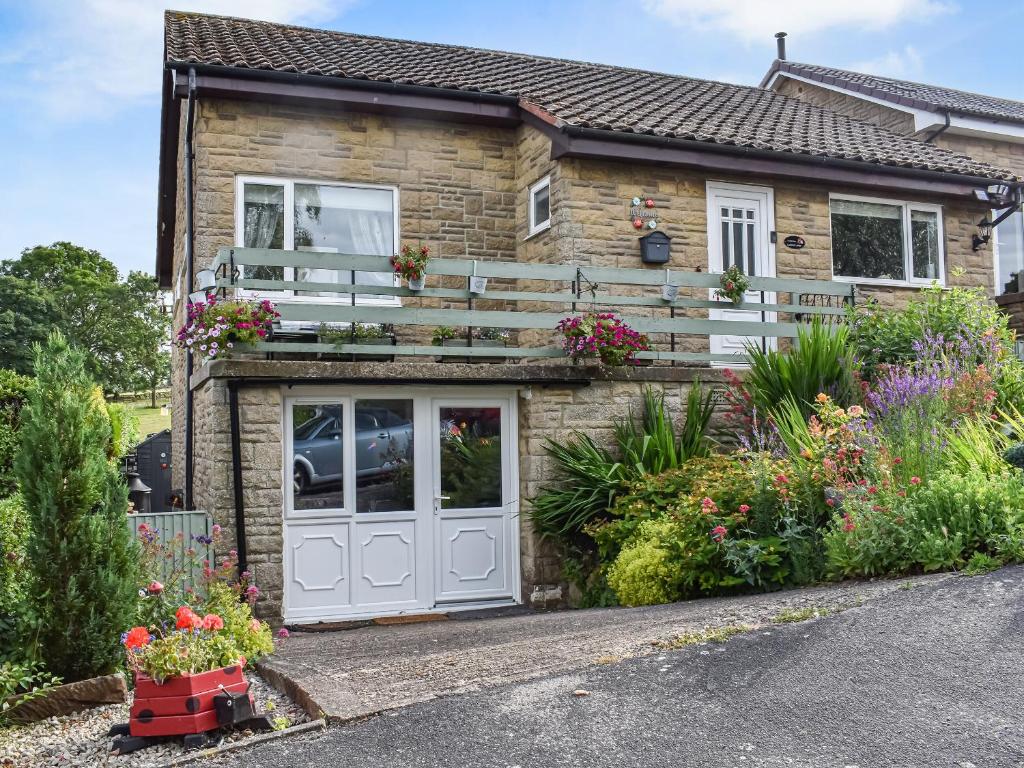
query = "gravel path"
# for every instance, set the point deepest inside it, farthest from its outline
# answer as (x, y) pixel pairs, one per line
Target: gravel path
(81, 739)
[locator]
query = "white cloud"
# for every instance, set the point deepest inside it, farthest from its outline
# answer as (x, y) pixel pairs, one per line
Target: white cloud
(906, 64)
(85, 55)
(752, 20)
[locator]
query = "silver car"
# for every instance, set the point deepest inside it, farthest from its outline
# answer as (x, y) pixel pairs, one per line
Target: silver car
(383, 442)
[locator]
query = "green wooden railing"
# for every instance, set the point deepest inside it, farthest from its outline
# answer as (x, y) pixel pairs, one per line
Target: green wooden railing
(568, 288)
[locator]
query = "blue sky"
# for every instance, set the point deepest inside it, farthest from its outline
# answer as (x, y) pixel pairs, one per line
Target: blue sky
(80, 80)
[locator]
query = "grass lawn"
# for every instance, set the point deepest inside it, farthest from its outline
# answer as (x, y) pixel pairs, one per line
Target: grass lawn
(150, 419)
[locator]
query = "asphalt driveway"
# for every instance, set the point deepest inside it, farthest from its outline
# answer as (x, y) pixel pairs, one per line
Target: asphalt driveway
(928, 676)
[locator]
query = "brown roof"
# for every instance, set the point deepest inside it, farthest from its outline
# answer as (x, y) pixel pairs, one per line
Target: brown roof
(618, 100)
(906, 93)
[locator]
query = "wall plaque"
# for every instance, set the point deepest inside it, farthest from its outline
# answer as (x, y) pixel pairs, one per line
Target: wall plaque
(793, 241)
(642, 213)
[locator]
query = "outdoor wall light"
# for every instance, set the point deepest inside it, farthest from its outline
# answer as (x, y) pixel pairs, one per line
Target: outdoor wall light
(206, 278)
(982, 236)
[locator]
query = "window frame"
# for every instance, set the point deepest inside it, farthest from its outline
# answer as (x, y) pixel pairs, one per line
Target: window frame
(288, 184)
(996, 255)
(907, 207)
(536, 228)
(348, 461)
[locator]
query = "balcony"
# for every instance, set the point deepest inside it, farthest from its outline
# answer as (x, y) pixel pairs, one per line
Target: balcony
(526, 300)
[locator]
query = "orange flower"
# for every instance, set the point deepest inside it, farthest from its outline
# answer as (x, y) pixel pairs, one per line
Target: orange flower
(187, 618)
(213, 622)
(137, 637)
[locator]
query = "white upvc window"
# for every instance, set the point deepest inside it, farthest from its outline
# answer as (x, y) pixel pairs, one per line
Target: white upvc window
(318, 216)
(877, 241)
(540, 206)
(1008, 252)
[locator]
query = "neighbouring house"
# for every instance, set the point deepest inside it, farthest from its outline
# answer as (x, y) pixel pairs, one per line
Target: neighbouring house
(987, 128)
(362, 471)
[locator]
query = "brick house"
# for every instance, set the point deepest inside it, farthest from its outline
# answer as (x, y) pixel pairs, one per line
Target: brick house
(987, 128)
(295, 161)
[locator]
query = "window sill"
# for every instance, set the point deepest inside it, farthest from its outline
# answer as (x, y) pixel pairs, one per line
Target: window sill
(538, 231)
(879, 283)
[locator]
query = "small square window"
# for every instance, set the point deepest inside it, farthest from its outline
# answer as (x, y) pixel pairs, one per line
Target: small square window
(540, 205)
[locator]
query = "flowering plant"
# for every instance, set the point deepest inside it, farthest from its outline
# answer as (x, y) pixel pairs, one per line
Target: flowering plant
(411, 263)
(601, 335)
(734, 284)
(215, 327)
(185, 628)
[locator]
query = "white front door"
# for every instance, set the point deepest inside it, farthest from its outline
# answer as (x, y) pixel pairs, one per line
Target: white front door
(364, 525)
(740, 221)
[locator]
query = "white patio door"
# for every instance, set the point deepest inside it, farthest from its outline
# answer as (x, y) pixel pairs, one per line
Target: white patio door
(366, 530)
(740, 221)
(474, 499)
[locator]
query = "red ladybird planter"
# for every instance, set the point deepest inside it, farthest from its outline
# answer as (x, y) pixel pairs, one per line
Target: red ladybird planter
(185, 704)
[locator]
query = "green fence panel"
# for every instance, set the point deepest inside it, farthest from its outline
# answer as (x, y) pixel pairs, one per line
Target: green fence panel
(179, 532)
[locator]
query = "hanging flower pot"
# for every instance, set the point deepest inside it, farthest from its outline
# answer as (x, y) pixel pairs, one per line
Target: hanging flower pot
(601, 335)
(734, 285)
(411, 264)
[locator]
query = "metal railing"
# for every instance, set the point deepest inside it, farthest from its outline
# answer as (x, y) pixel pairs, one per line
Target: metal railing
(636, 294)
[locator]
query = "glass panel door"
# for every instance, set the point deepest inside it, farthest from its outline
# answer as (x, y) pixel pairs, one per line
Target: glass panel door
(385, 474)
(471, 505)
(317, 456)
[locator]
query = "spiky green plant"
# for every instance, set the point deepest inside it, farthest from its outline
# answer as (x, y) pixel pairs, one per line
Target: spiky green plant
(590, 480)
(822, 360)
(82, 560)
(592, 477)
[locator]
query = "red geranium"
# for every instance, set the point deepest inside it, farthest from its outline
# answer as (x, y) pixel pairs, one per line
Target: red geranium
(187, 618)
(137, 637)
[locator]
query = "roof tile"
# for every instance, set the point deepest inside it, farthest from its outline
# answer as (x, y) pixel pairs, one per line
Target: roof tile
(615, 99)
(909, 93)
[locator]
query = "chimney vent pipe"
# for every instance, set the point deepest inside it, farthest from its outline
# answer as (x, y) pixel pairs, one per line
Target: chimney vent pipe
(780, 41)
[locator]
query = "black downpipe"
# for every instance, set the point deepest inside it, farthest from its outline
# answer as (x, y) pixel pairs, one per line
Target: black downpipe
(236, 478)
(189, 279)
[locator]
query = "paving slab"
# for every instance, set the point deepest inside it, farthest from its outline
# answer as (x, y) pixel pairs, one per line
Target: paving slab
(356, 673)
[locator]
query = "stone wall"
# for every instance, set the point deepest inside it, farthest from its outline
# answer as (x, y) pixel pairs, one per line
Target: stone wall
(595, 227)
(1003, 154)
(261, 457)
(845, 104)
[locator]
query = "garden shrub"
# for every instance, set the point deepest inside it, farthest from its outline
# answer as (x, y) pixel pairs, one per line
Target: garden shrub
(670, 559)
(82, 563)
(939, 525)
(591, 477)
(1014, 455)
(884, 335)
(13, 530)
(14, 389)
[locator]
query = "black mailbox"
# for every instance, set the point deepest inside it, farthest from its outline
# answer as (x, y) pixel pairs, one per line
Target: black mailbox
(654, 248)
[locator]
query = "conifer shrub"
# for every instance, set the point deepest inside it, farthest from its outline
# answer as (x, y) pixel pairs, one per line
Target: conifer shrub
(81, 560)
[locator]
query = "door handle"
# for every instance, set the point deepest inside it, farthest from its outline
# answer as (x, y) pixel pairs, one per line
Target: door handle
(382, 434)
(437, 503)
